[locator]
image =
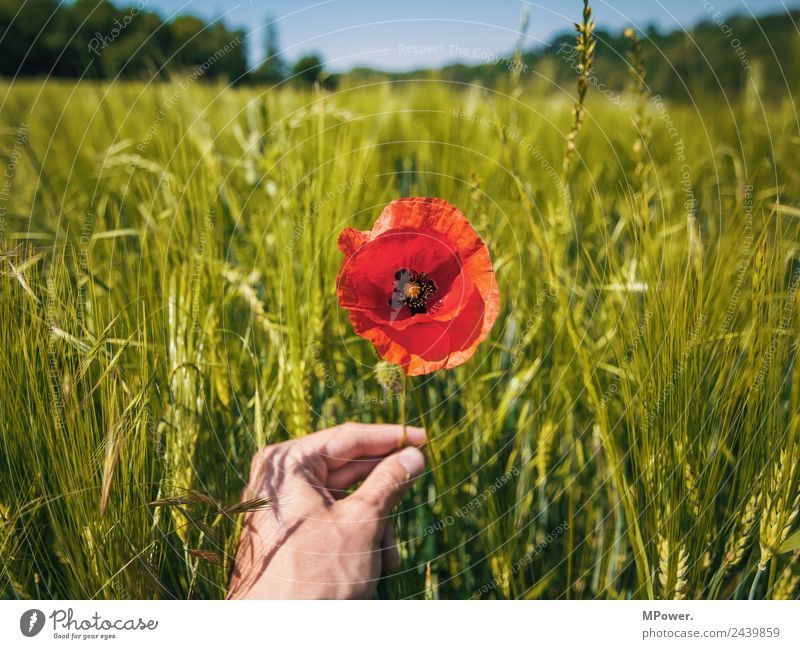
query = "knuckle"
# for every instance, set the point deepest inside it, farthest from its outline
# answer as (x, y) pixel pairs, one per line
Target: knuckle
(296, 453)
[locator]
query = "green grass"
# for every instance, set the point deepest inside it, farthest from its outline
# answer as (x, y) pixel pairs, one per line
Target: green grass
(629, 429)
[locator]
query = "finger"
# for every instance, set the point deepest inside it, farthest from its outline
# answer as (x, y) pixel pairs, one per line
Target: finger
(390, 555)
(394, 475)
(349, 441)
(340, 480)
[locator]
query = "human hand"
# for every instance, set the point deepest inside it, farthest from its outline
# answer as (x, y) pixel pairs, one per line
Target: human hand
(314, 541)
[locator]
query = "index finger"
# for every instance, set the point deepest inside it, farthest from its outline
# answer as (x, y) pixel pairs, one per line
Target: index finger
(350, 441)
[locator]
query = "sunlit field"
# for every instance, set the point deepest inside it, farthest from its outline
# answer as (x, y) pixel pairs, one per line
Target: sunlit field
(168, 263)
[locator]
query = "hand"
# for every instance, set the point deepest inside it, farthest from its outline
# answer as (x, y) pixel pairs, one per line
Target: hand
(313, 540)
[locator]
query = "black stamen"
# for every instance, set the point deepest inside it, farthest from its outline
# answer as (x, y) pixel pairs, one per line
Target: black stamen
(413, 290)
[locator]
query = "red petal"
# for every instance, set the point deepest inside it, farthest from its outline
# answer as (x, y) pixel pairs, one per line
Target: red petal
(351, 240)
(430, 214)
(366, 278)
(428, 235)
(425, 347)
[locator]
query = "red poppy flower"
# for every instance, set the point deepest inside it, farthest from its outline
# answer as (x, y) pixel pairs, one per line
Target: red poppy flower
(420, 285)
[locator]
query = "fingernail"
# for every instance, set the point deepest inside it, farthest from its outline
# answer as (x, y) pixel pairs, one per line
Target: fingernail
(412, 460)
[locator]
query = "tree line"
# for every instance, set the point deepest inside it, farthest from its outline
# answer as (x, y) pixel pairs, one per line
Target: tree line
(95, 39)
(721, 54)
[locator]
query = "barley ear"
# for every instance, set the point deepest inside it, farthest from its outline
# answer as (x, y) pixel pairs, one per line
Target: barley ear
(585, 45)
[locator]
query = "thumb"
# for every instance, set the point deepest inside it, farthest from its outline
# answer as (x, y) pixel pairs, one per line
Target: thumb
(390, 479)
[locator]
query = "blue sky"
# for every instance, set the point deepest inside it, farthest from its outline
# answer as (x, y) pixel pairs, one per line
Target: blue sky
(407, 34)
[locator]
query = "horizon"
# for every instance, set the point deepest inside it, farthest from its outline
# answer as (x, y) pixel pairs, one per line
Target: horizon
(420, 35)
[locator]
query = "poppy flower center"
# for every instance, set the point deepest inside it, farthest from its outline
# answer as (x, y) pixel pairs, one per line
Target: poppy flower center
(413, 290)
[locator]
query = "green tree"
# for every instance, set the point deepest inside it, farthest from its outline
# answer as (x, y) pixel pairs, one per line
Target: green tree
(273, 68)
(308, 68)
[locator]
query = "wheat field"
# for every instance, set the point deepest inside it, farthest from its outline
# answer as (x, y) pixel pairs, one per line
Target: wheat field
(167, 279)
